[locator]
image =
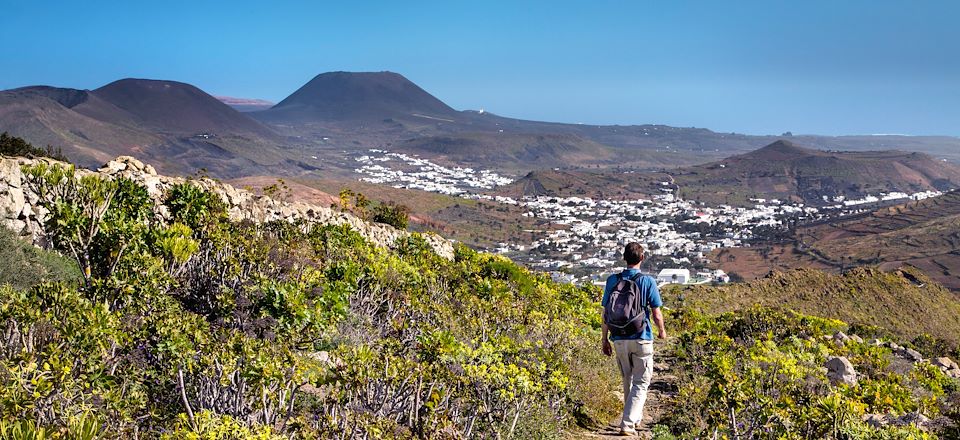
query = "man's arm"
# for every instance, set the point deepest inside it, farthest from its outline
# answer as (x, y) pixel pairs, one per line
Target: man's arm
(658, 319)
(605, 336)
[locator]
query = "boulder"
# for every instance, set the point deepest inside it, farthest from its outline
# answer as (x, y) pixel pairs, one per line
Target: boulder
(910, 354)
(113, 167)
(12, 204)
(944, 363)
(841, 371)
(841, 337)
(876, 420)
(17, 226)
(856, 339)
(913, 418)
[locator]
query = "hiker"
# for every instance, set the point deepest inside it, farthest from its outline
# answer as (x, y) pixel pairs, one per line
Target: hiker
(630, 300)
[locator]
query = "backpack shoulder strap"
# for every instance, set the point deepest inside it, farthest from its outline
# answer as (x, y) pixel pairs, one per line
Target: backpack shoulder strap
(643, 297)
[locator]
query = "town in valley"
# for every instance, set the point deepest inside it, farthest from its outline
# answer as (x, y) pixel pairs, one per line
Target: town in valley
(587, 234)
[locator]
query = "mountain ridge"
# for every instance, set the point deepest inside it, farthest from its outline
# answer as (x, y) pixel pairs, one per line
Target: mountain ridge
(339, 112)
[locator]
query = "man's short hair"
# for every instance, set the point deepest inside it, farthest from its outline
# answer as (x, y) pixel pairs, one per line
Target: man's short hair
(633, 253)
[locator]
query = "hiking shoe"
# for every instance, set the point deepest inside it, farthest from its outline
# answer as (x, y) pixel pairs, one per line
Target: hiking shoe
(627, 432)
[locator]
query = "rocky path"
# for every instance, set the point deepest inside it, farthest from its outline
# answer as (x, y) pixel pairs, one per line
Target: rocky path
(658, 403)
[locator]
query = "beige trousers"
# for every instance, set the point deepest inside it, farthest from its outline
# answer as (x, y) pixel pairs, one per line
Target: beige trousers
(635, 358)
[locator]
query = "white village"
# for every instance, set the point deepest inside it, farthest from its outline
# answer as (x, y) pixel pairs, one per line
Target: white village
(678, 234)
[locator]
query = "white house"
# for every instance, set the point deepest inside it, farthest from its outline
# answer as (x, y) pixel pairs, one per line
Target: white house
(677, 276)
(719, 276)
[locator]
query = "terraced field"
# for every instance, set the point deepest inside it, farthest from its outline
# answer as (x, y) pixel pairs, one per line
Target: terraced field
(923, 234)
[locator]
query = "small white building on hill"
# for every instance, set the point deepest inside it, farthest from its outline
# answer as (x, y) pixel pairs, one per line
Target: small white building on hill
(674, 276)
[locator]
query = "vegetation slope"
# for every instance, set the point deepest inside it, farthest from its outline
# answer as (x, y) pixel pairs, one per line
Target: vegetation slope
(197, 327)
(905, 301)
(183, 324)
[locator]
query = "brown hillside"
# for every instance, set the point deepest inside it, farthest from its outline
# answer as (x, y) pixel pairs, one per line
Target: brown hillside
(923, 234)
(179, 108)
(38, 114)
(356, 95)
(786, 171)
(598, 184)
(508, 151)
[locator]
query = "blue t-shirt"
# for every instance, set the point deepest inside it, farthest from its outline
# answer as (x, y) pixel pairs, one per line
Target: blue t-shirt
(648, 286)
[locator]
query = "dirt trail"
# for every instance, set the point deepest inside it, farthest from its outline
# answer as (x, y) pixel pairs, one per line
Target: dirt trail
(662, 388)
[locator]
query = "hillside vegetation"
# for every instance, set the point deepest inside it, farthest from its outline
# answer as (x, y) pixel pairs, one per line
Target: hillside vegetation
(905, 301)
(181, 323)
(760, 373)
(22, 265)
(199, 327)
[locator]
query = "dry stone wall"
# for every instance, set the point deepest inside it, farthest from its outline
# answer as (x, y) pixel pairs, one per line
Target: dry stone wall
(20, 210)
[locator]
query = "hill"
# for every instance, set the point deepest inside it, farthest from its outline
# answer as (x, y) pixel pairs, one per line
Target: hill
(924, 234)
(370, 96)
(175, 125)
(594, 183)
(178, 108)
(508, 152)
(89, 130)
(360, 110)
(787, 171)
(781, 170)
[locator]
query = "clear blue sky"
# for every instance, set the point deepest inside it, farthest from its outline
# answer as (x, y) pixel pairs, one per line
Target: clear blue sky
(827, 67)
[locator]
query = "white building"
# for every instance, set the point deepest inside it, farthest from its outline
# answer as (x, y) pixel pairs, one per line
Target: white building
(719, 276)
(676, 276)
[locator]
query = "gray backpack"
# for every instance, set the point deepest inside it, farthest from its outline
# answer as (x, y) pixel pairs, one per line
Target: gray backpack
(625, 312)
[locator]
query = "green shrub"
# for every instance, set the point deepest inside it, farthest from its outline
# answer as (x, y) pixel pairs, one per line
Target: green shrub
(14, 146)
(206, 328)
(392, 214)
(193, 206)
(23, 265)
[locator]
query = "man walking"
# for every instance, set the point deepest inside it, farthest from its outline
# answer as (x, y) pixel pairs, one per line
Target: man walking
(630, 300)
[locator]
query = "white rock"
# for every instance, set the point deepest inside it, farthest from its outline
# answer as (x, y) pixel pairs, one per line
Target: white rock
(840, 370)
(944, 363)
(910, 354)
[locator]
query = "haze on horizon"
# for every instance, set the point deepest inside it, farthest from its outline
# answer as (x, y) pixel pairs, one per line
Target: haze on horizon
(852, 67)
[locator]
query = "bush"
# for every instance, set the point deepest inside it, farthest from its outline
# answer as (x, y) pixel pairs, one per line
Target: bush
(761, 371)
(22, 265)
(392, 214)
(206, 328)
(14, 146)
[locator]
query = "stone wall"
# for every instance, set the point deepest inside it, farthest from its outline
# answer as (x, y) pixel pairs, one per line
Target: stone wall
(20, 210)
